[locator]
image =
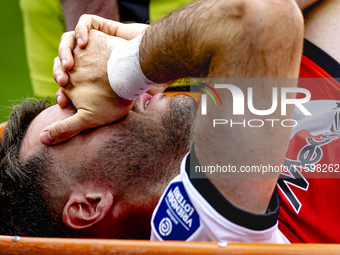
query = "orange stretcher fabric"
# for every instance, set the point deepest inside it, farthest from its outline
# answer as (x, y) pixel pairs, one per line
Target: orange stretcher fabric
(49, 246)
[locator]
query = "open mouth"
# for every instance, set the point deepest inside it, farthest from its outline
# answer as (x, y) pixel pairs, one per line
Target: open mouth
(146, 99)
(146, 104)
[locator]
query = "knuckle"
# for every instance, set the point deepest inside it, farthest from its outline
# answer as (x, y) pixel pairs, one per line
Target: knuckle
(84, 16)
(55, 76)
(60, 51)
(63, 36)
(87, 120)
(63, 130)
(66, 34)
(76, 50)
(56, 64)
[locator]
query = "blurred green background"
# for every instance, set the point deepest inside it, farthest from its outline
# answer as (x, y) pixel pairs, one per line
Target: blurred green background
(15, 83)
(14, 77)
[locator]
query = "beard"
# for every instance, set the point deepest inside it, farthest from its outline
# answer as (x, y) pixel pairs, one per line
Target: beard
(146, 153)
(139, 158)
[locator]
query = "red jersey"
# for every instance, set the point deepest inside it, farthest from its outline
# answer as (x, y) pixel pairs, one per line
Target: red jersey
(309, 207)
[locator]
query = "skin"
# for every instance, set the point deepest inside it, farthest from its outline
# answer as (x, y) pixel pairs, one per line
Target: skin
(105, 109)
(31, 142)
(322, 27)
(100, 206)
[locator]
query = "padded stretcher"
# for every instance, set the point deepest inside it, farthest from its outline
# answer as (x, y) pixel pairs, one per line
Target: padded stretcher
(49, 246)
(2, 128)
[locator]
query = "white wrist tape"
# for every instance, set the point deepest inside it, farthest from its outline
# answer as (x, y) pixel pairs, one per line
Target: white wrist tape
(125, 74)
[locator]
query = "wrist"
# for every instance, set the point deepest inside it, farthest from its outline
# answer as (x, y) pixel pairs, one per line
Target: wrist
(124, 71)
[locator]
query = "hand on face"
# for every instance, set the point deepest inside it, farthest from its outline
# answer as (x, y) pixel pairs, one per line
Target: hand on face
(82, 74)
(81, 36)
(88, 88)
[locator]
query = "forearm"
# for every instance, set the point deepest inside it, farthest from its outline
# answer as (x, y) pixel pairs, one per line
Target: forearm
(181, 44)
(73, 9)
(184, 43)
(195, 41)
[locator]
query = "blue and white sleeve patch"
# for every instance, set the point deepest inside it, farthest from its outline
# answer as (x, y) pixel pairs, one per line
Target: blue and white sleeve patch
(175, 218)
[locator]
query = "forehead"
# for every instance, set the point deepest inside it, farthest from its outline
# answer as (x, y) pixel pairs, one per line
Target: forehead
(92, 139)
(79, 148)
(31, 141)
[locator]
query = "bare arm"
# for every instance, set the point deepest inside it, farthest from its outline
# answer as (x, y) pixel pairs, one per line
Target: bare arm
(73, 9)
(241, 39)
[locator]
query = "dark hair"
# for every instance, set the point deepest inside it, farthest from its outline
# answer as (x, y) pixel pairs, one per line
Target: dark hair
(23, 206)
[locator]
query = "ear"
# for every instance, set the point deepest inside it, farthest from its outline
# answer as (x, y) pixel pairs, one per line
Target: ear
(85, 209)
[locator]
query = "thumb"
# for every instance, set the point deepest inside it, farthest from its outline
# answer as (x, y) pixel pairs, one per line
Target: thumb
(63, 130)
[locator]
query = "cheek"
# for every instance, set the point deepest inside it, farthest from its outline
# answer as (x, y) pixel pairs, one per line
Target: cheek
(158, 110)
(75, 152)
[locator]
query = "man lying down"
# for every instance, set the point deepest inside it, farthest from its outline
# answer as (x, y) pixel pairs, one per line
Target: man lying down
(105, 182)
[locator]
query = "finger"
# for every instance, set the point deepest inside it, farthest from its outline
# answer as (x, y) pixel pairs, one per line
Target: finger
(85, 23)
(62, 99)
(66, 46)
(59, 75)
(158, 89)
(127, 31)
(63, 130)
(114, 28)
(109, 27)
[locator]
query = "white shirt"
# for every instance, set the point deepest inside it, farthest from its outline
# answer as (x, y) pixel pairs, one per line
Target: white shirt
(183, 213)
